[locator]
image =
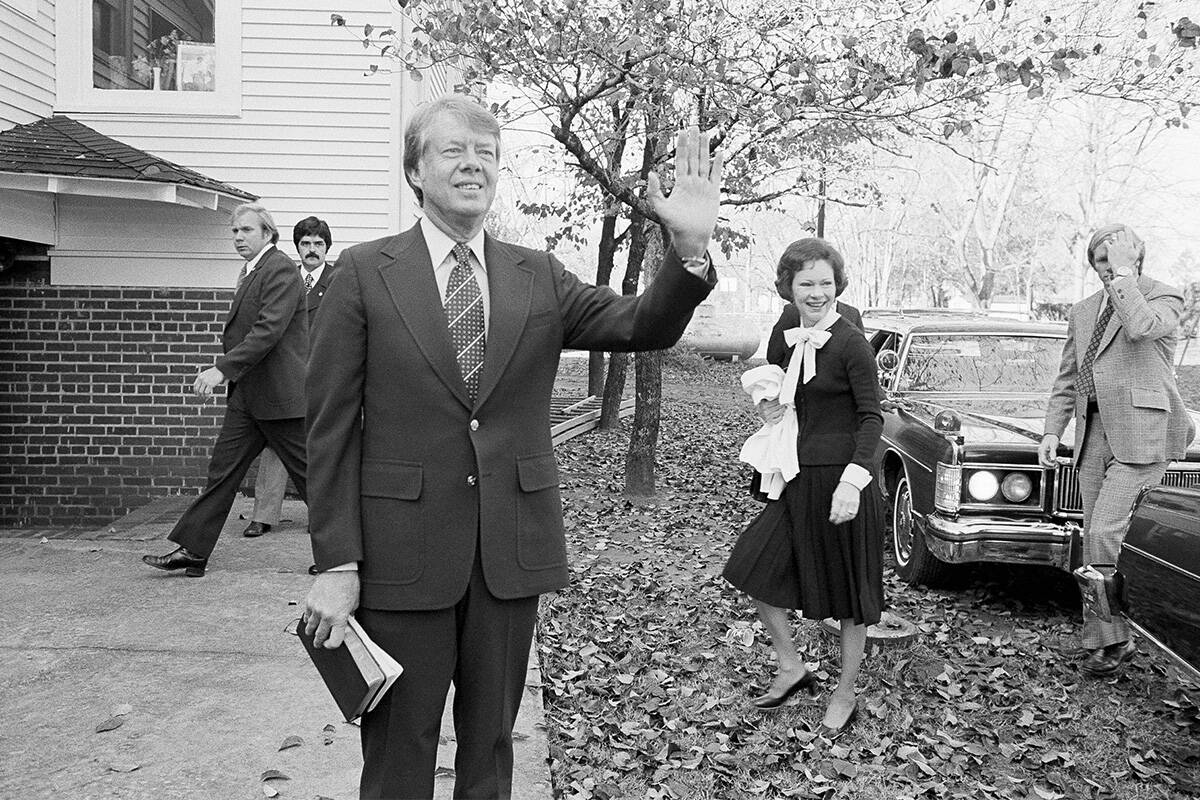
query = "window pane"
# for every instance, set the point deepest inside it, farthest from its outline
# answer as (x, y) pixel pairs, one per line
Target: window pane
(981, 363)
(159, 45)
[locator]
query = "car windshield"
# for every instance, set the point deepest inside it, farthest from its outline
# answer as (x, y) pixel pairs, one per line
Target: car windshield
(979, 362)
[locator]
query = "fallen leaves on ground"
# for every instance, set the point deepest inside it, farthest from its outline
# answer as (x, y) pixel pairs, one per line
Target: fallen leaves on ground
(110, 724)
(648, 658)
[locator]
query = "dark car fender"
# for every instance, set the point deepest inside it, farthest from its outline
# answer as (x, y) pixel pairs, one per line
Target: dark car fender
(1158, 579)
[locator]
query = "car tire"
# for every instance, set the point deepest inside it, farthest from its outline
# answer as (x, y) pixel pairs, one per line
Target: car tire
(914, 563)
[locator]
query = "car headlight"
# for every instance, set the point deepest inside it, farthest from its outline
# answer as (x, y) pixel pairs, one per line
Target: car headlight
(983, 485)
(947, 488)
(1016, 487)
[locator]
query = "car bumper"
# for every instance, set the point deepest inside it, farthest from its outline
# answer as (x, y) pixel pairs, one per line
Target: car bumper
(961, 541)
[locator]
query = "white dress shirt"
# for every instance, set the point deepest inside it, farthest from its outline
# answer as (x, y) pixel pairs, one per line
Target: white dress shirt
(252, 263)
(316, 273)
(441, 256)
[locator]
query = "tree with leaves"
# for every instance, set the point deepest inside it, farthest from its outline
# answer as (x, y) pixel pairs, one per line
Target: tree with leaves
(787, 87)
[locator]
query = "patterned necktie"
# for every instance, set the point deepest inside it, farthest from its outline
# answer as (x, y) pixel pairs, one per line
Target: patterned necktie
(464, 312)
(1087, 381)
(308, 282)
(242, 275)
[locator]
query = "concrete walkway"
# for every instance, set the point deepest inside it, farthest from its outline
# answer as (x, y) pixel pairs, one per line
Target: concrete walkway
(202, 674)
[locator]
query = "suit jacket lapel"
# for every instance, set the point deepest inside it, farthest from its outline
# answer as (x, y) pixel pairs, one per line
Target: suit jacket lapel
(510, 290)
(408, 275)
(1114, 325)
(313, 300)
(241, 293)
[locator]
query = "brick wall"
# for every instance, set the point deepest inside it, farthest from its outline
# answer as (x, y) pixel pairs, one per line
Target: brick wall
(96, 414)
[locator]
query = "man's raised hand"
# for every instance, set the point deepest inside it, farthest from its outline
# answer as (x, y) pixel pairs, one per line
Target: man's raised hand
(690, 213)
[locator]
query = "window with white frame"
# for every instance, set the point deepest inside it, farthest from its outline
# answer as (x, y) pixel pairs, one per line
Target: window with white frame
(151, 56)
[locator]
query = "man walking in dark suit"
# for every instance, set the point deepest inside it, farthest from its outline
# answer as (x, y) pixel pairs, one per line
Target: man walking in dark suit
(312, 239)
(439, 515)
(1117, 384)
(265, 346)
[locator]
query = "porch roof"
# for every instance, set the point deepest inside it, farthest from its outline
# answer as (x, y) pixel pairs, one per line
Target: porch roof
(60, 155)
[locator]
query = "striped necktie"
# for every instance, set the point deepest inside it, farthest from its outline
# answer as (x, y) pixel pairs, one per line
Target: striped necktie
(464, 313)
(242, 275)
(1086, 385)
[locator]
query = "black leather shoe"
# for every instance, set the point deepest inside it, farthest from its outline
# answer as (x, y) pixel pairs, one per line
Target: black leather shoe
(768, 700)
(833, 734)
(256, 529)
(1105, 661)
(180, 558)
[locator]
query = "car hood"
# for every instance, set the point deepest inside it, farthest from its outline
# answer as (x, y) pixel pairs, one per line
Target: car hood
(1008, 419)
(1005, 419)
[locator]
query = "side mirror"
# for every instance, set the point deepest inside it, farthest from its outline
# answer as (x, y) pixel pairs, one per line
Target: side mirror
(887, 361)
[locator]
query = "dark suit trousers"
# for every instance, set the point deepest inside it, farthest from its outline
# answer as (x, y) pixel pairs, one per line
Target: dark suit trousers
(241, 439)
(482, 644)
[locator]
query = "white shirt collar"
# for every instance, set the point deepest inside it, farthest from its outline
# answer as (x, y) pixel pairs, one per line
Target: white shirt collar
(440, 244)
(316, 273)
(825, 322)
(252, 263)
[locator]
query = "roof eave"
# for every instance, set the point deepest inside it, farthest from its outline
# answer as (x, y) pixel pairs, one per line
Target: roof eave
(151, 191)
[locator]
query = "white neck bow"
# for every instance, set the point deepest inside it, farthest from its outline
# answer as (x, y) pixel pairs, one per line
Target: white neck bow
(812, 339)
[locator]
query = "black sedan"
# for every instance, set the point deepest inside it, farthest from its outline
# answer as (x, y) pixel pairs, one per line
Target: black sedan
(964, 401)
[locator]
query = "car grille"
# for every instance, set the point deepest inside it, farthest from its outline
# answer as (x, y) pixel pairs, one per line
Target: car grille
(1068, 500)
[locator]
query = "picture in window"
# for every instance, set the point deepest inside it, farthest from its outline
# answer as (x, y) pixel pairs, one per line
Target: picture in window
(196, 67)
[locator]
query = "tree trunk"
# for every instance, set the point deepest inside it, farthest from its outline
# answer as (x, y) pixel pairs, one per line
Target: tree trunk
(606, 253)
(614, 387)
(643, 439)
(614, 384)
(604, 267)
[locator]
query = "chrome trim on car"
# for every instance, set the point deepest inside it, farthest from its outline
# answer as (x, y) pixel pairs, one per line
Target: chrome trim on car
(907, 455)
(1068, 500)
(1162, 562)
(968, 539)
(1188, 670)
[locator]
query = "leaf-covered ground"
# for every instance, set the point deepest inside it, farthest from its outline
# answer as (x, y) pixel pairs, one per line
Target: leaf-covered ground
(649, 657)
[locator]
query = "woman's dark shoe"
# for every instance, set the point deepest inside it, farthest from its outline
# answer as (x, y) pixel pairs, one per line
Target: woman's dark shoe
(768, 700)
(181, 558)
(833, 734)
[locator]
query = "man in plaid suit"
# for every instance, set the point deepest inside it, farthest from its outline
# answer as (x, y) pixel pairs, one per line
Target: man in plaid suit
(1117, 383)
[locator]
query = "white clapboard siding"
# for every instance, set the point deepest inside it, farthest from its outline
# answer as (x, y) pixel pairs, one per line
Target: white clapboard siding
(27, 215)
(106, 242)
(315, 136)
(26, 64)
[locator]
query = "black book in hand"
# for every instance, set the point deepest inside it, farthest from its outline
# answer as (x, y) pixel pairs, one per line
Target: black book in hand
(358, 673)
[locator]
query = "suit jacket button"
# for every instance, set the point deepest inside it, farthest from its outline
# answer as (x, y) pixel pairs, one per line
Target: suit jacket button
(474, 424)
(471, 480)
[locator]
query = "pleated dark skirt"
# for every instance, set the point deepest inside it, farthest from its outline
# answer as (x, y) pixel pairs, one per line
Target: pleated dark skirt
(791, 556)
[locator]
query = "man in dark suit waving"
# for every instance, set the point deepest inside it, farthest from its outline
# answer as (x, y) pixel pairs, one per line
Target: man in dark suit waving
(438, 512)
(265, 346)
